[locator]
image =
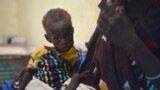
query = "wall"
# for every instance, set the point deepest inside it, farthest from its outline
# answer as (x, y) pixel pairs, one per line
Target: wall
(8, 19)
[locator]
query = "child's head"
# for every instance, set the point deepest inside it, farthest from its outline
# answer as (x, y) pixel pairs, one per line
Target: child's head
(59, 31)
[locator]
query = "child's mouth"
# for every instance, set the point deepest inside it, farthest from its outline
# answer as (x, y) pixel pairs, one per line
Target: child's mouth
(66, 48)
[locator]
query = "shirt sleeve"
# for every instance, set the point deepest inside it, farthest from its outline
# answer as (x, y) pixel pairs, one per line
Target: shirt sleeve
(36, 57)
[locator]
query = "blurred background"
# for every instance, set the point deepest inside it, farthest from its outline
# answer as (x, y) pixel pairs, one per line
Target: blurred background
(22, 19)
(21, 30)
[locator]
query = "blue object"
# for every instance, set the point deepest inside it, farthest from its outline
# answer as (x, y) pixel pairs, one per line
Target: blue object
(7, 85)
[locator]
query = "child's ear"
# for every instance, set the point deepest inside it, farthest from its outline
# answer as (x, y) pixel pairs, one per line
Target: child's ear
(73, 29)
(48, 38)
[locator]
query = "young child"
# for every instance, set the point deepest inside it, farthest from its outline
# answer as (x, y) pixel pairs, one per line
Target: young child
(54, 65)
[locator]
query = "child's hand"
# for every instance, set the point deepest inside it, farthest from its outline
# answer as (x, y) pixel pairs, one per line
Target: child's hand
(68, 88)
(73, 83)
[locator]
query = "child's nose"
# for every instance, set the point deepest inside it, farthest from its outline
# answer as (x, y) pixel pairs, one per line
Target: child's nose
(63, 41)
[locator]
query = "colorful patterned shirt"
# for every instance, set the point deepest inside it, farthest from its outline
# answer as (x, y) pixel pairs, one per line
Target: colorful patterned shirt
(52, 68)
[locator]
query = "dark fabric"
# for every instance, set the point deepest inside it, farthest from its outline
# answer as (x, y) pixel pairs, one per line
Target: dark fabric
(148, 28)
(112, 64)
(88, 75)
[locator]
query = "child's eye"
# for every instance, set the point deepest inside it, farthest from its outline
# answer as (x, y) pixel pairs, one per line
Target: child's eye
(68, 38)
(56, 39)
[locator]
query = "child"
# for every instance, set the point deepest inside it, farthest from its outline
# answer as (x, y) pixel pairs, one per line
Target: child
(54, 65)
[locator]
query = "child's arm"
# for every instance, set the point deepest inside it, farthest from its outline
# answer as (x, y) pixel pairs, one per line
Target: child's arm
(27, 76)
(74, 80)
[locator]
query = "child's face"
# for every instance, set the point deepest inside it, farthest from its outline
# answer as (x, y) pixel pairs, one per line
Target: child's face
(61, 35)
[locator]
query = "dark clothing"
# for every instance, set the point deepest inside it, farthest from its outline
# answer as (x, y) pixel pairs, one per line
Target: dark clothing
(114, 65)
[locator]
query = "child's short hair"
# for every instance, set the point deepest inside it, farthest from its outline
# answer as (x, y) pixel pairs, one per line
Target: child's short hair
(56, 15)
